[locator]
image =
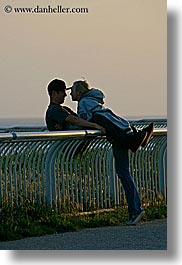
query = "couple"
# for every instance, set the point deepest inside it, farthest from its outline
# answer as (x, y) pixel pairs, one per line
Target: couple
(93, 115)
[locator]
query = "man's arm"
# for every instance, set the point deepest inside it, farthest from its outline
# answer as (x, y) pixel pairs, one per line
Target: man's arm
(83, 123)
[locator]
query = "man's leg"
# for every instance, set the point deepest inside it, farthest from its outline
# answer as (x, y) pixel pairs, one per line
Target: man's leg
(122, 169)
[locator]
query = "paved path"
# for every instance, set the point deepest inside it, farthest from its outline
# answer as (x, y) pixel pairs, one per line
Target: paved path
(145, 236)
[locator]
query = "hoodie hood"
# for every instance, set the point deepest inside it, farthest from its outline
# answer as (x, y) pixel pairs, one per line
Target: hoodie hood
(96, 95)
(92, 102)
(89, 103)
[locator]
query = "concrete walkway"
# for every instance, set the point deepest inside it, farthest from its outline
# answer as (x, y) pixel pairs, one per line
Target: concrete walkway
(145, 236)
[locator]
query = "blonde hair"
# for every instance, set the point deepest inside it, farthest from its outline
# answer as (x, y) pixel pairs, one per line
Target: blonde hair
(81, 86)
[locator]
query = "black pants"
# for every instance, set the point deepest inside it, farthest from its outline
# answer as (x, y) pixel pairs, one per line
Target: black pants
(114, 133)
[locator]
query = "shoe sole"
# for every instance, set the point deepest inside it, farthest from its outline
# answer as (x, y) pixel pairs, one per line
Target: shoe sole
(149, 134)
(138, 219)
(140, 143)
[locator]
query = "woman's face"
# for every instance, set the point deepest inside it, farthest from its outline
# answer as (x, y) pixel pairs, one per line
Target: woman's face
(74, 94)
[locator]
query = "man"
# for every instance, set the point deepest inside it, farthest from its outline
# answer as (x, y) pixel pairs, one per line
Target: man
(81, 90)
(60, 117)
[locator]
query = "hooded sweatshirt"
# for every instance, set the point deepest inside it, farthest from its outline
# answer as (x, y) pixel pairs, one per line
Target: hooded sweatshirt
(93, 102)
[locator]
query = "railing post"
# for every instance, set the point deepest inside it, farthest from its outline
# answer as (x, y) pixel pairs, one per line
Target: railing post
(49, 174)
(163, 169)
(113, 181)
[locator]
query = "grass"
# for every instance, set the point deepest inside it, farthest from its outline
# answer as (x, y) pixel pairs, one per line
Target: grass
(36, 220)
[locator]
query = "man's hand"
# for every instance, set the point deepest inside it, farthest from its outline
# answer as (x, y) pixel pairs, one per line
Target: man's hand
(102, 129)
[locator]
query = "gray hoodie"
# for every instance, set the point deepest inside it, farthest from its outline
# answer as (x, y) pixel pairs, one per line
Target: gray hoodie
(92, 102)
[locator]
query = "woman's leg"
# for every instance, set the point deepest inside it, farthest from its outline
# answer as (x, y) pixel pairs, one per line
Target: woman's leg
(122, 169)
(126, 139)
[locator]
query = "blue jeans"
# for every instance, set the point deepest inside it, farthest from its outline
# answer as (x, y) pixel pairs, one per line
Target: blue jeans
(122, 170)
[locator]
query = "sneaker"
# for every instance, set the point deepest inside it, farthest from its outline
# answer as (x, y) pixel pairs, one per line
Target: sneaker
(136, 218)
(149, 129)
(140, 138)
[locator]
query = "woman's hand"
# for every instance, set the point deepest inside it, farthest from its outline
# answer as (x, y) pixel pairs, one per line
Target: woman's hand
(58, 127)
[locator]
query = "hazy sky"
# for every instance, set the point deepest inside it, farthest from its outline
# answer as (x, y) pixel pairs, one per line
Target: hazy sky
(120, 46)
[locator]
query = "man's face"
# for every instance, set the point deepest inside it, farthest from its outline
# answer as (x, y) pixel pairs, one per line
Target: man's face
(59, 96)
(74, 94)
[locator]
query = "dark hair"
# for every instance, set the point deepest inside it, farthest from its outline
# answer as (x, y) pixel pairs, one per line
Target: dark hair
(56, 85)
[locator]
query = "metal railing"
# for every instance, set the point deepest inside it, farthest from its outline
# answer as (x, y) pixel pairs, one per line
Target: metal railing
(75, 169)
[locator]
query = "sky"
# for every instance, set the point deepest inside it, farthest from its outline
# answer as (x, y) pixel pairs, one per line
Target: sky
(119, 46)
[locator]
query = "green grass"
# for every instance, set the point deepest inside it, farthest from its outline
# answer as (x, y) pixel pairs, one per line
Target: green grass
(35, 220)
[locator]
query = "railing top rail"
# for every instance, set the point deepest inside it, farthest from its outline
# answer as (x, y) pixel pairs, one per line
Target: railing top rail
(49, 135)
(61, 134)
(160, 131)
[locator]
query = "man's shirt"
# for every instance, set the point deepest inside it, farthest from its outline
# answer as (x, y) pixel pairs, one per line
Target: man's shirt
(56, 115)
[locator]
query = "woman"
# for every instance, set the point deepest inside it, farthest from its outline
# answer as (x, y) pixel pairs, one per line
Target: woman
(91, 108)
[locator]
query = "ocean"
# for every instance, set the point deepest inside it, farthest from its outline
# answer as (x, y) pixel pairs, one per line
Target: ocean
(11, 122)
